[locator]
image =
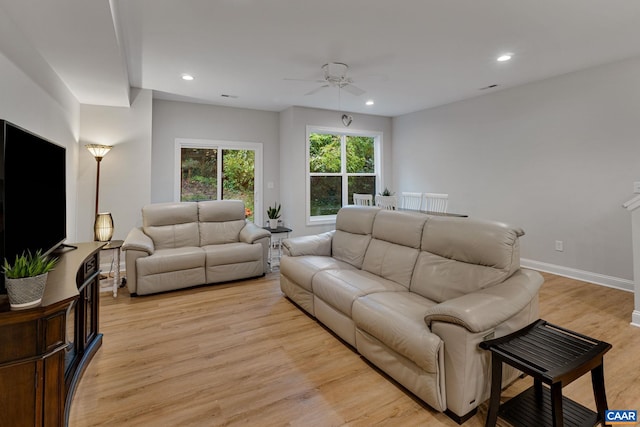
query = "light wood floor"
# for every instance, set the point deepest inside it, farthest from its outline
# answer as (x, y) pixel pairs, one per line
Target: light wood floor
(242, 354)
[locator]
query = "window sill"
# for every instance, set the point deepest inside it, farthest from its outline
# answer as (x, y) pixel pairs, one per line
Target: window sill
(321, 220)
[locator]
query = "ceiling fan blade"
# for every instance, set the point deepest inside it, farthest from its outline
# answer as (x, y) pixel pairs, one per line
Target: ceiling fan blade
(354, 90)
(316, 90)
(305, 80)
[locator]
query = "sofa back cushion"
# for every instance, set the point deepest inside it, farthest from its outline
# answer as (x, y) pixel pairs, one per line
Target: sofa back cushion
(395, 245)
(353, 233)
(463, 255)
(171, 225)
(220, 221)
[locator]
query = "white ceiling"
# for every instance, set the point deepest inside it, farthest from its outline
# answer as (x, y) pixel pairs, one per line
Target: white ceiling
(407, 55)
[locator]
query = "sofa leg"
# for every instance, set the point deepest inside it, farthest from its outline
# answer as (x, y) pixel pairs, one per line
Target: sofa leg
(461, 419)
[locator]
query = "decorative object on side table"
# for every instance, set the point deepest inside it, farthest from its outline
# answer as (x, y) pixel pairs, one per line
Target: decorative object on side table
(104, 227)
(386, 192)
(273, 213)
(26, 278)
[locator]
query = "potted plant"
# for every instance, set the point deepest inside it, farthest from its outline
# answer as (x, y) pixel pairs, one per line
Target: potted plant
(273, 213)
(386, 192)
(26, 278)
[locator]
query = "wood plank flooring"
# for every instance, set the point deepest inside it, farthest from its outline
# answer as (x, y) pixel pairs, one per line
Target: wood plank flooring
(242, 354)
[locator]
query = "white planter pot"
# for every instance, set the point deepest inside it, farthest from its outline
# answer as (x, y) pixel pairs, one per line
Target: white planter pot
(26, 292)
(273, 223)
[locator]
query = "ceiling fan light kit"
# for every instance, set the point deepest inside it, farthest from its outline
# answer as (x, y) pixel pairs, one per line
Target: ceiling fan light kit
(334, 75)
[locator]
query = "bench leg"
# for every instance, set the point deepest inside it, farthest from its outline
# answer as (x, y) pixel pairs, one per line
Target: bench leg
(556, 405)
(597, 379)
(537, 388)
(496, 388)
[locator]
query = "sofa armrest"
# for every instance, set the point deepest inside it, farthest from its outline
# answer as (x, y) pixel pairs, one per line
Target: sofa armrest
(137, 240)
(485, 309)
(319, 244)
(251, 233)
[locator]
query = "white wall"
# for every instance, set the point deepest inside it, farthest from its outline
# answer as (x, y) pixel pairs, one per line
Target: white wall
(32, 96)
(125, 172)
(293, 133)
(172, 119)
(556, 157)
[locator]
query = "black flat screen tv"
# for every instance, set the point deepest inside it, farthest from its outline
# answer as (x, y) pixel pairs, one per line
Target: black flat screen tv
(33, 214)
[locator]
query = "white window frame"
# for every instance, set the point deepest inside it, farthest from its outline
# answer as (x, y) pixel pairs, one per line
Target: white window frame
(257, 147)
(378, 149)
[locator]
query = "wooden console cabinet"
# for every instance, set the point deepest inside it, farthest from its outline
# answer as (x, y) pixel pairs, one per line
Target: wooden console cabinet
(44, 350)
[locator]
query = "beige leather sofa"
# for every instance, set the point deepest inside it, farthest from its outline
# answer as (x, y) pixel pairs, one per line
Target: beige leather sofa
(415, 294)
(193, 243)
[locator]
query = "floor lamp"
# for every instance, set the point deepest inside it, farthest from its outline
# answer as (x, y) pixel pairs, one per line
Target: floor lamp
(103, 225)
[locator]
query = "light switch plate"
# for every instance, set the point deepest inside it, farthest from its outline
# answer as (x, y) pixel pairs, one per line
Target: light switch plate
(636, 187)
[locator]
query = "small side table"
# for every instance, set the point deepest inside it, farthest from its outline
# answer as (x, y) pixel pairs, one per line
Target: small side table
(275, 244)
(554, 356)
(115, 245)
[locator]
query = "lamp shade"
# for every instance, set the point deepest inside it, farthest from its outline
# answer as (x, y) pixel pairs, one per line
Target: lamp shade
(98, 151)
(103, 227)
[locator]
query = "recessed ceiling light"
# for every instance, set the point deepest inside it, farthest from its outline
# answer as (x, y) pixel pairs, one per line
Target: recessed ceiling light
(187, 77)
(505, 57)
(369, 102)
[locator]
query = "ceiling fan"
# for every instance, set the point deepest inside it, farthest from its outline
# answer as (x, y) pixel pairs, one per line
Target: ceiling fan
(335, 75)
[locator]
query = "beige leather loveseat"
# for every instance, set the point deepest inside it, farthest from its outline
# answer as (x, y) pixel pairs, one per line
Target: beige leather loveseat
(193, 243)
(415, 294)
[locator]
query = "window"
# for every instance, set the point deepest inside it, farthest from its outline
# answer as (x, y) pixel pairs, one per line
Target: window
(217, 170)
(338, 165)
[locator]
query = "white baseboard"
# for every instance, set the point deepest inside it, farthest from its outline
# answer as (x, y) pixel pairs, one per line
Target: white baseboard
(585, 276)
(635, 318)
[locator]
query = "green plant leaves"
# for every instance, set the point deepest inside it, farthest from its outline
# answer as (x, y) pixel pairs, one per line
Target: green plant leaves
(273, 212)
(29, 265)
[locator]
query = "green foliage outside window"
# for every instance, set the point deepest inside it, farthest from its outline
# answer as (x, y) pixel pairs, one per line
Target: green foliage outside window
(360, 154)
(325, 151)
(199, 175)
(199, 170)
(326, 195)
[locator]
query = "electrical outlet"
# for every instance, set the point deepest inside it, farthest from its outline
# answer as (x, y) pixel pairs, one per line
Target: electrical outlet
(636, 187)
(559, 246)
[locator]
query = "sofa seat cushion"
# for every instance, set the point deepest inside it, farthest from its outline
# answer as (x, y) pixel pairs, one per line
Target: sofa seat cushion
(340, 288)
(232, 253)
(397, 320)
(172, 259)
(301, 269)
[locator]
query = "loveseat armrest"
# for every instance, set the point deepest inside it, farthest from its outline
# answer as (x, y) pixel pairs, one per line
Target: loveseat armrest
(319, 244)
(487, 308)
(252, 233)
(137, 240)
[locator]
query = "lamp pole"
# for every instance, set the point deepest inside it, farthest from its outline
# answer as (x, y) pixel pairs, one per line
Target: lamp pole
(98, 160)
